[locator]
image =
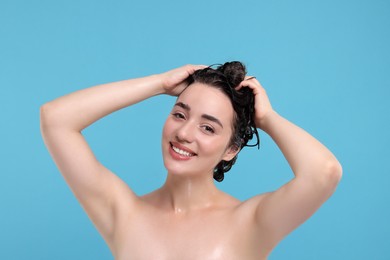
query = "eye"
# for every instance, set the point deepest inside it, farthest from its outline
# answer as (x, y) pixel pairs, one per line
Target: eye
(208, 129)
(178, 115)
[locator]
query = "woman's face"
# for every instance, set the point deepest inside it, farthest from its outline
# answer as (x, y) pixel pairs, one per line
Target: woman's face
(196, 135)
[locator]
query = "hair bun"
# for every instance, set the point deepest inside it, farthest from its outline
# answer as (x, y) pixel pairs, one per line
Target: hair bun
(234, 71)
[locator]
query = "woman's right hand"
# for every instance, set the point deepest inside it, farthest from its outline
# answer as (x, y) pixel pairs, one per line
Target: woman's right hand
(174, 81)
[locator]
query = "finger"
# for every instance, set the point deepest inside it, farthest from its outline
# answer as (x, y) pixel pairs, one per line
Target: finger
(198, 67)
(245, 85)
(252, 79)
(254, 86)
(192, 68)
(249, 77)
(244, 81)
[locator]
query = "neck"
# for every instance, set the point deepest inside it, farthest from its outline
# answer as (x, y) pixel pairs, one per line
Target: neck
(184, 193)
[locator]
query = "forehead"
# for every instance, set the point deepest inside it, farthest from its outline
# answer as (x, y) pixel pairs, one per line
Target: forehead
(204, 99)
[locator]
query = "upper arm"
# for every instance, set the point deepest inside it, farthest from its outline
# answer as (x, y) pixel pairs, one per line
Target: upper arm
(99, 191)
(280, 212)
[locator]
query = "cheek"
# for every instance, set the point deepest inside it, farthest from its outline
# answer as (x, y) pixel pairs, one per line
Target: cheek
(214, 147)
(167, 129)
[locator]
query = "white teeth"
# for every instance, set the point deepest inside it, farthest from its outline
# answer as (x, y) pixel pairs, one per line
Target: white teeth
(179, 151)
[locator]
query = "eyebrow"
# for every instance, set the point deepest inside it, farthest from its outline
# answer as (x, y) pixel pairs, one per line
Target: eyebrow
(205, 116)
(211, 118)
(182, 105)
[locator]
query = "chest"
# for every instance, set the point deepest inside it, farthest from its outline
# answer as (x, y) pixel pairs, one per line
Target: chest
(206, 236)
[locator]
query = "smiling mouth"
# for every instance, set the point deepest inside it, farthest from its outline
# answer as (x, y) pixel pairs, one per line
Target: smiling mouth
(182, 152)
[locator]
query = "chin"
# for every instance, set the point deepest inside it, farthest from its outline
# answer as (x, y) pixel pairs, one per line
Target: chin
(189, 170)
(175, 168)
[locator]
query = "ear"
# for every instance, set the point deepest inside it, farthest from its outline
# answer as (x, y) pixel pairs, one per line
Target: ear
(231, 152)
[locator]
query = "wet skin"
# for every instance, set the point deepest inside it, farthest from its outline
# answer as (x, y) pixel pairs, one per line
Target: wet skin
(189, 218)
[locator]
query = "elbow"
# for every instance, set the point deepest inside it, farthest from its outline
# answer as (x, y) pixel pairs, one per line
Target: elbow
(334, 169)
(47, 116)
(44, 114)
(326, 175)
(43, 119)
(332, 172)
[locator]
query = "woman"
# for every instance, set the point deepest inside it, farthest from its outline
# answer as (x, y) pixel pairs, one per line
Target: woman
(215, 115)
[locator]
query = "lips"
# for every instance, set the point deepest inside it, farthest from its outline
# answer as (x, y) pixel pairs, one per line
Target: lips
(179, 151)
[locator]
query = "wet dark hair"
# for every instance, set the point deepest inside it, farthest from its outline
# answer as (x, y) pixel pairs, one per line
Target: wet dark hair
(226, 77)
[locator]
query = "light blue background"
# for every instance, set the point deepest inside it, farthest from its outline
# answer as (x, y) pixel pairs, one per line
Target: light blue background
(325, 65)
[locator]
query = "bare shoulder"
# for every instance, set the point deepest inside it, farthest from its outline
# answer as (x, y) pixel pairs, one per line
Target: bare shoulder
(250, 205)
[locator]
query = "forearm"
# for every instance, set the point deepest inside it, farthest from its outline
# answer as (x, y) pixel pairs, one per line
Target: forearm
(306, 156)
(78, 110)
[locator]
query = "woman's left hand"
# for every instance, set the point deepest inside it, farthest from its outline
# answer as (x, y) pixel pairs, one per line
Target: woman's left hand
(263, 107)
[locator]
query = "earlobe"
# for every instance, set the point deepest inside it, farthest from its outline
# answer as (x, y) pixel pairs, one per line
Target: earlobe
(231, 152)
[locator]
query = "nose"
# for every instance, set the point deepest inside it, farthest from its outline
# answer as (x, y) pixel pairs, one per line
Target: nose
(186, 132)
